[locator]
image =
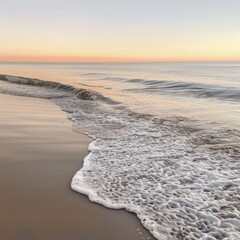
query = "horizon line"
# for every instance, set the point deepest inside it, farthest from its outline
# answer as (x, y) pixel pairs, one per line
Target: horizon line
(71, 62)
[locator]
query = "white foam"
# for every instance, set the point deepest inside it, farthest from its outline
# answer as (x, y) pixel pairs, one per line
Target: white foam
(177, 189)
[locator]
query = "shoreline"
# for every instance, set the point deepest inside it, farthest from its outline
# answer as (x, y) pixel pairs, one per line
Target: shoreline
(39, 156)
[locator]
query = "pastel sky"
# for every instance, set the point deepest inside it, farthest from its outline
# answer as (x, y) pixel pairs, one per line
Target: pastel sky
(120, 30)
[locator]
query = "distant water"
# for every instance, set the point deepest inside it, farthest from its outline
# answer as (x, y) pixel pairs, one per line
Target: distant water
(166, 139)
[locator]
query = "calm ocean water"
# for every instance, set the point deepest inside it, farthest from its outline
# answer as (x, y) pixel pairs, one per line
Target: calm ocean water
(166, 139)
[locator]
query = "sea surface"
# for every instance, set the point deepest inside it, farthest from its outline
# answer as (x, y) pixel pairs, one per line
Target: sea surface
(166, 138)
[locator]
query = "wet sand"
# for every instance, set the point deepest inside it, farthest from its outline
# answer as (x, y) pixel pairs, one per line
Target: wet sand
(39, 154)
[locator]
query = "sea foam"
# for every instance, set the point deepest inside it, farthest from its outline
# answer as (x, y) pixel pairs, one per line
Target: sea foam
(177, 189)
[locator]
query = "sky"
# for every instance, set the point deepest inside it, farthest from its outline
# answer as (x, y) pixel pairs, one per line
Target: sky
(119, 30)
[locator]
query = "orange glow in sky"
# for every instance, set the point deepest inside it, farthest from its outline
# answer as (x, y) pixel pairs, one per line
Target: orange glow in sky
(143, 30)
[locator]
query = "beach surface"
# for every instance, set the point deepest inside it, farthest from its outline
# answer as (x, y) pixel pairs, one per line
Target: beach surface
(39, 155)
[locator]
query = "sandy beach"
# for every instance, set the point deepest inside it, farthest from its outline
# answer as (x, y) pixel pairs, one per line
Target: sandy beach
(39, 156)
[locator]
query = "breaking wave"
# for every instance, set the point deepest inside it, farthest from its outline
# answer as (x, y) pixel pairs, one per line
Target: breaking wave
(52, 89)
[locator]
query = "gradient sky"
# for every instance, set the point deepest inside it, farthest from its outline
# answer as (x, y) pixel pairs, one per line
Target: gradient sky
(120, 30)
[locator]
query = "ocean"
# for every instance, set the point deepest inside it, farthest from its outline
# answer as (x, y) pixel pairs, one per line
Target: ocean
(166, 138)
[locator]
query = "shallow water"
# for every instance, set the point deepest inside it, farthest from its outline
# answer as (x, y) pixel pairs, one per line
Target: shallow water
(166, 140)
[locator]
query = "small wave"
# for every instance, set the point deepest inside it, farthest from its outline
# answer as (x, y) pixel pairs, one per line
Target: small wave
(63, 90)
(182, 88)
(92, 74)
(113, 78)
